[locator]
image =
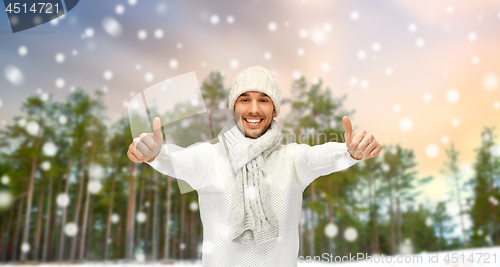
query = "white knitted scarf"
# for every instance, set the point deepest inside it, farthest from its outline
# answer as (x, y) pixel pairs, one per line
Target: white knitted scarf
(251, 216)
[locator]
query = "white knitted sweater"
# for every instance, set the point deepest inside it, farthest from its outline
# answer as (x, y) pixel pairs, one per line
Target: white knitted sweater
(205, 167)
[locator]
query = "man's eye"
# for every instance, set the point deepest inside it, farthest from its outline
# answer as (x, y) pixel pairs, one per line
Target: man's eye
(263, 100)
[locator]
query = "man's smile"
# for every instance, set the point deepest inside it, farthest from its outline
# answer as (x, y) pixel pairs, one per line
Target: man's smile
(253, 122)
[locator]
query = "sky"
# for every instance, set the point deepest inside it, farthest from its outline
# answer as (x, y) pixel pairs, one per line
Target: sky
(421, 74)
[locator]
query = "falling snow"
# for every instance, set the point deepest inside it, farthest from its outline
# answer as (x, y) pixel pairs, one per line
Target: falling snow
(60, 83)
(70, 229)
(412, 27)
(353, 81)
(214, 19)
(234, 63)
(452, 96)
(351, 234)
(115, 218)
(142, 34)
(119, 9)
(5, 179)
(158, 33)
(94, 186)
(32, 128)
(108, 75)
(272, 26)
(490, 82)
(5, 199)
(427, 97)
(420, 42)
(405, 124)
(396, 108)
(62, 200)
(23, 50)
(89, 32)
(112, 27)
(472, 36)
(354, 15)
(174, 64)
(267, 55)
(149, 77)
(364, 84)
(303, 33)
(140, 217)
(13, 75)
(431, 150)
(361, 54)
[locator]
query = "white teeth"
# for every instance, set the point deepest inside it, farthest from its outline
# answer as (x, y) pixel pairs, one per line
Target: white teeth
(253, 121)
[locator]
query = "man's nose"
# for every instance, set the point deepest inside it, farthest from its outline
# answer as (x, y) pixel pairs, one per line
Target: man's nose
(254, 107)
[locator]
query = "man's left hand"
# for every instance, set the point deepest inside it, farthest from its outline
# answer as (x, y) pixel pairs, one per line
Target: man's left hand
(360, 144)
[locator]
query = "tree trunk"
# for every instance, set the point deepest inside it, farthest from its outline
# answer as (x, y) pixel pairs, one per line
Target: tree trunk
(47, 222)
(86, 253)
(330, 216)
(83, 236)
(78, 204)
(30, 195)
(2, 230)
(156, 222)
(65, 210)
(130, 212)
(86, 212)
(311, 220)
(460, 210)
(391, 217)
(139, 209)
(167, 223)
(301, 235)
(148, 215)
(192, 235)
(110, 212)
(183, 223)
(36, 250)
(8, 238)
(398, 213)
(15, 248)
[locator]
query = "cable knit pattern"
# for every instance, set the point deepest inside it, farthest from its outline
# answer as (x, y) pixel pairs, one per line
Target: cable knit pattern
(251, 216)
(257, 79)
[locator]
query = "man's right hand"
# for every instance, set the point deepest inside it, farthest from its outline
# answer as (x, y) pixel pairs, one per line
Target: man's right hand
(147, 146)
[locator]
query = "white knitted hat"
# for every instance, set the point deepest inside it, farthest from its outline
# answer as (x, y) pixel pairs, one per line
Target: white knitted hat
(258, 79)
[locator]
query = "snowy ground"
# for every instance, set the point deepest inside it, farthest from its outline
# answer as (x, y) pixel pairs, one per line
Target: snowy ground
(459, 258)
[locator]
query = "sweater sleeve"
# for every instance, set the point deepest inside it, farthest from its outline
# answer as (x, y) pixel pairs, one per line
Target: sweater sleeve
(189, 164)
(312, 162)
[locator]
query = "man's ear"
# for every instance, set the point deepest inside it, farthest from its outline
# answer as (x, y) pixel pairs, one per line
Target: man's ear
(274, 113)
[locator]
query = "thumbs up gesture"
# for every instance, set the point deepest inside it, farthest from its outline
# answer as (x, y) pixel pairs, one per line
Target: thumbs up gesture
(360, 144)
(147, 146)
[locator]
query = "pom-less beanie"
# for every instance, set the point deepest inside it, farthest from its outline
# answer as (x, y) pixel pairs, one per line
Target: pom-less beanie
(257, 79)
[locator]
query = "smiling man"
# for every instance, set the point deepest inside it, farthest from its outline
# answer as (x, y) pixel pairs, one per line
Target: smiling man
(249, 184)
(257, 111)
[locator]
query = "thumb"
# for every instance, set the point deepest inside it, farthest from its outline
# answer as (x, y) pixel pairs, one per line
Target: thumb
(158, 136)
(348, 129)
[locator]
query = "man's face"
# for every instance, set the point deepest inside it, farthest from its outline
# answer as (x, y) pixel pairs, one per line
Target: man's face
(256, 110)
